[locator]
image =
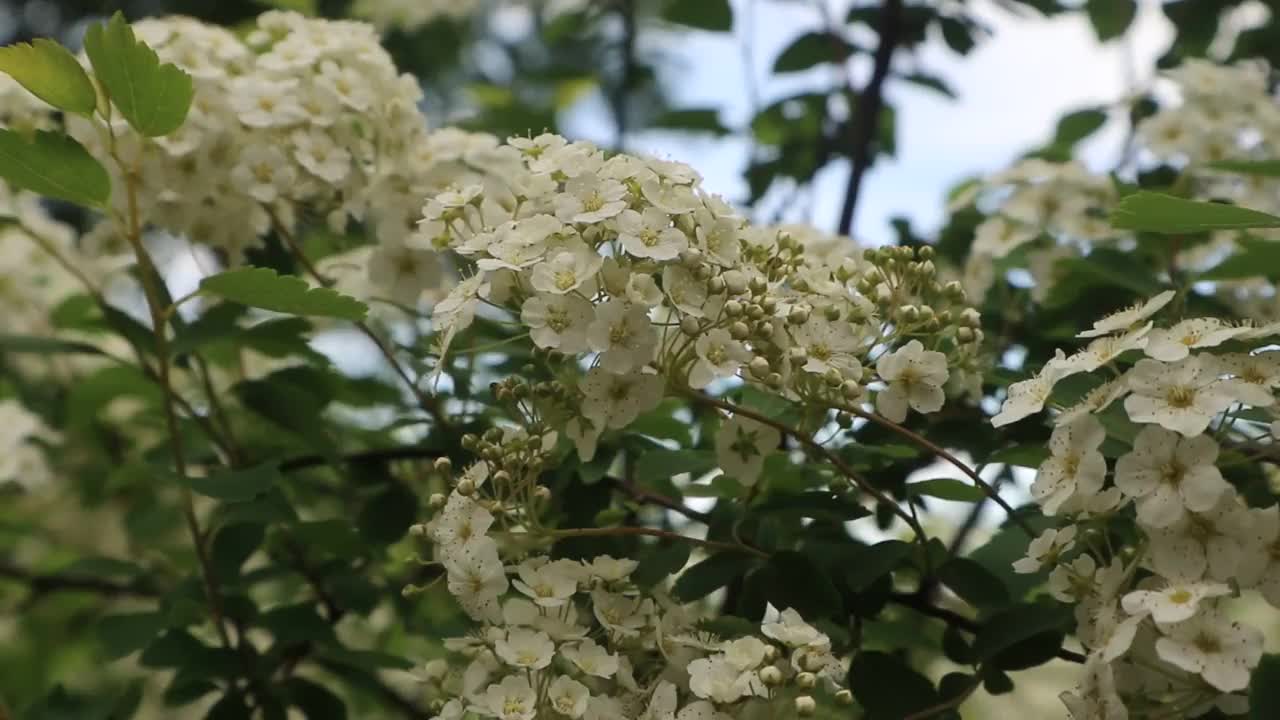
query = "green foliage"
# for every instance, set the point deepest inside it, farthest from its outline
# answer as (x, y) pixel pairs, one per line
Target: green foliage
(1255, 258)
(713, 15)
(51, 73)
(1111, 18)
(711, 574)
(1264, 692)
(53, 165)
(235, 484)
(153, 96)
(946, 489)
(1160, 213)
(266, 289)
(888, 688)
(811, 49)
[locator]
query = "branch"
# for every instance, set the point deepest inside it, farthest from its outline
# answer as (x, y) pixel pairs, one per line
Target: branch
(43, 583)
(620, 100)
(652, 532)
(646, 497)
(866, 115)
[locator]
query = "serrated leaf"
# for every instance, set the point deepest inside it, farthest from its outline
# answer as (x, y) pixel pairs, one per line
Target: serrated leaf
(1159, 213)
(53, 165)
(236, 485)
(264, 288)
(51, 73)
(1021, 455)
(946, 489)
(153, 96)
(1256, 258)
(1078, 125)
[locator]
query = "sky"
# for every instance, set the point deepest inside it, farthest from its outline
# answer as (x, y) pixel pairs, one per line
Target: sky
(1011, 89)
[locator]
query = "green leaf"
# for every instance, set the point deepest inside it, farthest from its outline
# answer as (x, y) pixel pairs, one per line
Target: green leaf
(663, 464)
(1076, 126)
(810, 49)
(1006, 629)
(1264, 689)
(815, 504)
(315, 701)
(1265, 168)
(957, 34)
(1110, 18)
(1021, 455)
(1159, 213)
(710, 575)
(1256, 258)
(946, 489)
(713, 15)
(45, 345)
(887, 688)
(974, 583)
(152, 96)
(930, 82)
(54, 165)
(236, 485)
(661, 563)
(126, 634)
(872, 562)
(264, 288)
(800, 584)
(232, 546)
(51, 73)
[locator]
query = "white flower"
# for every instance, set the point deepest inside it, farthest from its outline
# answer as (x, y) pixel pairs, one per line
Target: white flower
(915, 377)
(685, 290)
(550, 584)
(461, 520)
(1182, 396)
(621, 615)
(558, 322)
(1174, 343)
(742, 445)
(588, 198)
(650, 234)
(1075, 469)
(1027, 397)
(1096, 400)
(662, 704)
(1203, 544)
(568, 696)
(526, 648)
(511, 699)
(1130, 316)
(566, 268)
(402, 274)
(623, 335)
(1260, 566)
(476, 577)
(1220, 651)
(591, 658)
(263, 103)
(1046, 549)
(1173, 603)
(828, 346)
(1073, 581)
(611, 569)
(1169, 475)
(745, 653)
(1256, 377)
(791, 629)
(1095, 698)
(264, 173)
(998, 236)
(615, 401)
(316, 151)
(715, 679)
(719, 356)
(701, 710)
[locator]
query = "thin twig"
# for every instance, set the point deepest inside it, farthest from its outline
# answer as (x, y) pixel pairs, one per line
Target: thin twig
(942, 453)
(44, 583)
(647, 497)
(866, 115)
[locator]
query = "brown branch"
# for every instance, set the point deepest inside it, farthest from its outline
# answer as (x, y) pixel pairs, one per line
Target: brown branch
(866, 116)
(647, 497)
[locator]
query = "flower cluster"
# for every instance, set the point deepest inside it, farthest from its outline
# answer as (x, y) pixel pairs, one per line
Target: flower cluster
(626, 263)
(1153, 614)
(583, 638)
(301, 115)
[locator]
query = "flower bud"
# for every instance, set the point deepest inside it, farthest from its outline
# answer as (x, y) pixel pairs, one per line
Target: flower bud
(437, 501)
(805, 706)
(418, 530)
(758, 284)
(844, 697)
(716, 285)
(759, 366)
(774, 380)
(771, 676)
(831, 313)
(443, 465)
(689, 325)
(735, 282)
(466, 487)
(850, 389)
(770, 653)
(807, 680)
(965, 335)
(733, 308)
(798, 315)
(542, 493)
(739, 331)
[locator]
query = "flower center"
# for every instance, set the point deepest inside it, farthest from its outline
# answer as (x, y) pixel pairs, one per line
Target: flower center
(1207, 644)
(565, 279)
(1181, 596)
(1181, 396)
(1172, 473)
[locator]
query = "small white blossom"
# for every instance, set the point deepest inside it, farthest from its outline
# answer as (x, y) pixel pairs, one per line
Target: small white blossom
(915, 377)
(1170, 474)
(511, 699)
(591, 658)
(615, 401)
(1173, 603)
(1175, 343)
(558, 322)
(1046, 549)
(526, 648)
(1182, 396)
(1130, 316)
(623, 335)
(1220, 651)
(568, 696)
(1075, 468)
(742, 445)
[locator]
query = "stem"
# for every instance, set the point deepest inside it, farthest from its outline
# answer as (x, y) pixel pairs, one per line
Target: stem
(42, 583)
(149, 276)
(942, 453)
(866, 116)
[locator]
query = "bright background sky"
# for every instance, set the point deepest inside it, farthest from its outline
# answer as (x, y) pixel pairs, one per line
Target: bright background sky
(1011, 90)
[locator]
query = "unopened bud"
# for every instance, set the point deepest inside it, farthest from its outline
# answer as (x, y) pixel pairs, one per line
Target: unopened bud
(689, 325)
(437, 501)
(466, 487)
(771, 676)
(735, 282)
(805, 706)
(418, 530)
(844, 697)
(798, 315)
(739, 331)
(443, 465)
(716, 285)
(807, 680)
(542, 492)
(759, 366)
